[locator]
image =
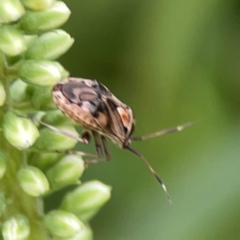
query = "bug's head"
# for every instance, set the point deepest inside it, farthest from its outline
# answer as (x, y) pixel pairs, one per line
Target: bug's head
(127, 123)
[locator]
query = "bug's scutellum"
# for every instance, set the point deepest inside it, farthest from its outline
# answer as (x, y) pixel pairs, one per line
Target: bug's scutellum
(92, 105)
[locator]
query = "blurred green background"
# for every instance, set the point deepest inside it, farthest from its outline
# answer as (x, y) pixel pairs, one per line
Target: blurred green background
(172, 62)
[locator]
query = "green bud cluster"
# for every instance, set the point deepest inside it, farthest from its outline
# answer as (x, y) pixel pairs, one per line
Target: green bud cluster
(33, 163)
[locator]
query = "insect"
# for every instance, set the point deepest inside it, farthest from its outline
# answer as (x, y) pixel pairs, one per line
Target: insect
(102, 115)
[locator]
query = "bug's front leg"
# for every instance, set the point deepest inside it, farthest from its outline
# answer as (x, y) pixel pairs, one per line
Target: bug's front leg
(97, 142)
(86, 136)
(105, 147)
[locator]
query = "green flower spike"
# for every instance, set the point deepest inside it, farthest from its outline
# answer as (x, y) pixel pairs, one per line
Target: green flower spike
(33, 159)
(87, 199)
(20, 132)
(11, 41)
(67, 171)
(10, 11)
(33, 181)
(16, 228)
(63, 224)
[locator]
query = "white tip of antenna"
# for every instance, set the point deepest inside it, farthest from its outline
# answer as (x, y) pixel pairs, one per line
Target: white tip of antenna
(180, 128)
(166, 192)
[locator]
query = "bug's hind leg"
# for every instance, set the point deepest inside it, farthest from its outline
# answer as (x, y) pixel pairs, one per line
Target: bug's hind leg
(94, 158)
(65, 133)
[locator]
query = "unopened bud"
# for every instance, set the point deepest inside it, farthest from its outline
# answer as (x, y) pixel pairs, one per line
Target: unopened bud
(87, 199)
(18, 91)
(43, 160)
(11, 41)
(10, 10)
(33, 181)
(50, 140)
(41, 98)
(19, 131)
(67, 171)
(48, 19)
(37, 4)
(50, 45)
(84, 234)
(16, 228)
(56, 117)
(62, 224)
(40, 72)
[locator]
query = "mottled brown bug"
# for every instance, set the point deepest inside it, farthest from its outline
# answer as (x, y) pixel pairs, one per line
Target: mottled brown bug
(92, 105)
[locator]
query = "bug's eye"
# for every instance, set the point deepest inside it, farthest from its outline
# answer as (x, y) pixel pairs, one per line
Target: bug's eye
(125, 130)
(57, 87)
(132, 130)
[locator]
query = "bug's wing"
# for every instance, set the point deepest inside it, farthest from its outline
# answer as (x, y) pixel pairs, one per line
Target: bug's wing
(115, 122)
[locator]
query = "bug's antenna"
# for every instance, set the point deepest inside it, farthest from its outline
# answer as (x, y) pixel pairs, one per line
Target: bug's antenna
(162, 132)
(152, 171)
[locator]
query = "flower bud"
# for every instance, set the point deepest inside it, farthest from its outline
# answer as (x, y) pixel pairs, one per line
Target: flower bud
(16, 228)
(37, 5)
(10, 10)
(40, 72)
(18, 91)
(62, 224)
(87, 199)
(64, 72)
(50, 140)
(32, 181)
(29, 39)
(20, 132)
(84, 234)
(41, 98)
(67, 171)
(2, 94)
(3, 163)
(56, 117)
(50, 45)
(43, 160)
(47, 19)
(11, 41)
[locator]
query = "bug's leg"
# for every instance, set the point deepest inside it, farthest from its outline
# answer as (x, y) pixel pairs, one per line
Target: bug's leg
(86, 135)
(67, 134)
(98, 145)
(162, 132)
(73, 152)
(105, 147)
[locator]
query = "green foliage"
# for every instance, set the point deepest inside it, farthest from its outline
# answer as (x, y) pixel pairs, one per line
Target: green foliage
(172, 62)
